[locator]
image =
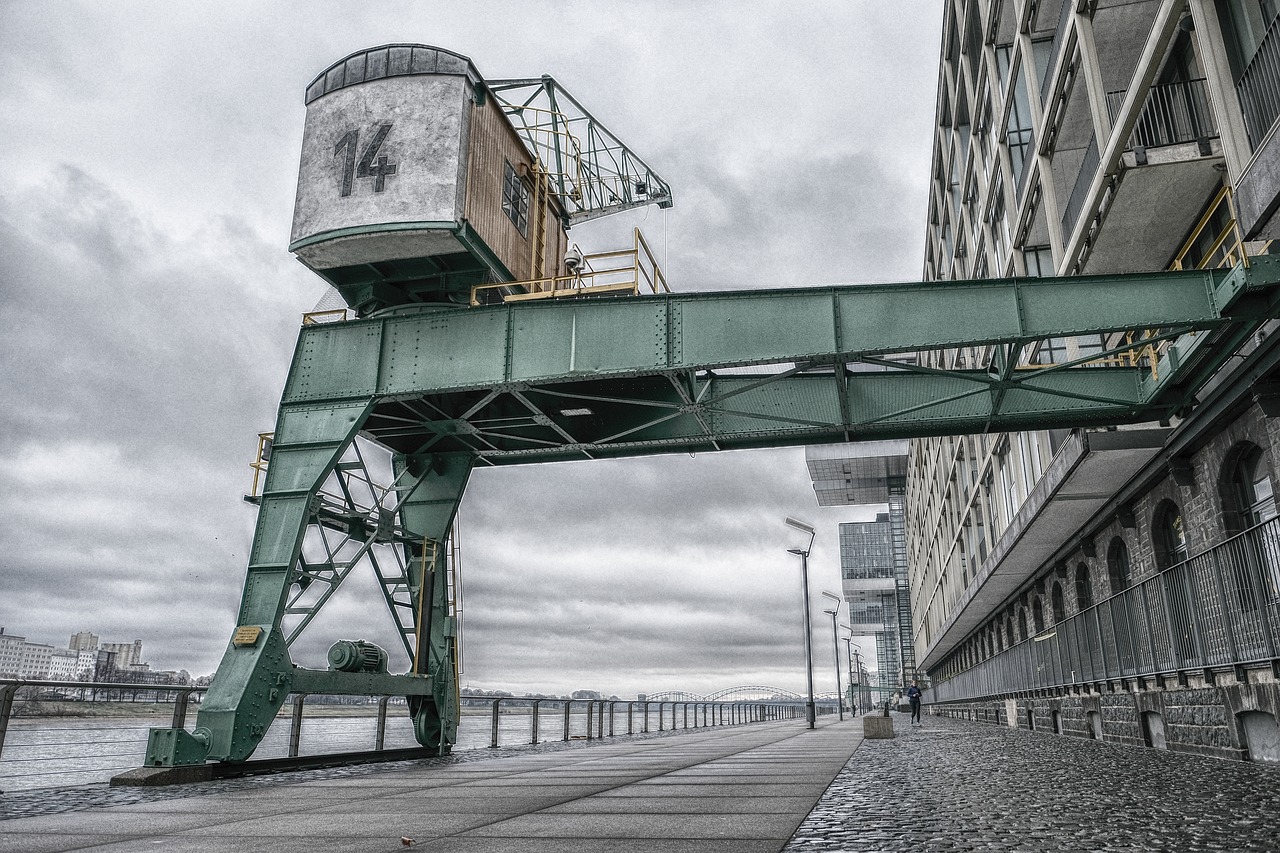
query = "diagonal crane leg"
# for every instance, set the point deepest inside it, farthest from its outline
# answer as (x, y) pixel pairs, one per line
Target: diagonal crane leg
(434, 486)
(256, 674)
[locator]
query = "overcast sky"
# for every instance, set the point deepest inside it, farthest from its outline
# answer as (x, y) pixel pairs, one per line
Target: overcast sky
(149, 310)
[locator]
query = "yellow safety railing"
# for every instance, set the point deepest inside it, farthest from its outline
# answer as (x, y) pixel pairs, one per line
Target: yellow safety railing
(259, 464)
(1214, 242)
(620, 272)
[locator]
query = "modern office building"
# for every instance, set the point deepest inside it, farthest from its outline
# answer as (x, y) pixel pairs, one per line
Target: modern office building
(83, 641)
(873, 559)
(1119, 584)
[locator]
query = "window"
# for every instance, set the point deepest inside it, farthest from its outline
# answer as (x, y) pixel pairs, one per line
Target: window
(1090, 345)
(999, 227)
(1056, 602)
(1118, 565)
(1251, 496)
(1037, 615)
(1255, 498)
(1003, 52)
(515, 199)
(1170, 536)
(1038, 260)
(1244, 24)
(1042, 50)
(1018, 130)
(1084, 588)
(1051, 351)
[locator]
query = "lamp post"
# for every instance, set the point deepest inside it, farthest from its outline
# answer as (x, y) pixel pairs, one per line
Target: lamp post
(810, 712)
(835, 647)
(853, 695)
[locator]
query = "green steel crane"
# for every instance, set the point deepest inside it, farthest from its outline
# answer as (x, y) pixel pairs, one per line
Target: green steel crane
(442, 386)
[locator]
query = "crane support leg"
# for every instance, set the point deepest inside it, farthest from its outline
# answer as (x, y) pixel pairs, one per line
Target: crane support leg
(434, 486)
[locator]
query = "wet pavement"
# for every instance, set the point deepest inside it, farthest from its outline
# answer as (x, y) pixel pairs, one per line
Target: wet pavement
(954, 785)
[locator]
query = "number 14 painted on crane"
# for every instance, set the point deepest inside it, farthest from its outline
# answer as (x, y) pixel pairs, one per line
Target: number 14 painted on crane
(366, 168)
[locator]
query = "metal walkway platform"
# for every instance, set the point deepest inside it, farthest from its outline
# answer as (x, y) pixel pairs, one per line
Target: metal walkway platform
(742, 789)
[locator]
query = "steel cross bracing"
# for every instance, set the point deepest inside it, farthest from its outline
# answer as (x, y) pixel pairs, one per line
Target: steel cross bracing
(444, 390)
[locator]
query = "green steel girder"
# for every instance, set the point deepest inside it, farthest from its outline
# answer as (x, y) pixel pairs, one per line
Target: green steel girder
(530, 382)
(446, 389)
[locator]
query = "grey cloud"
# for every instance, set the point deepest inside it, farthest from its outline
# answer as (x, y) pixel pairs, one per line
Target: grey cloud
(150, 309)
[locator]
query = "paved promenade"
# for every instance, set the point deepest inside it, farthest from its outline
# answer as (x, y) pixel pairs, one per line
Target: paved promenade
(947, 786)
(742, 789)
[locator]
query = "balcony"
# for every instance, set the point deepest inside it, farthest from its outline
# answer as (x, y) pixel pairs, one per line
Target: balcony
(1173, 114)
(1219, 609)
(1258, 88)
(1258, 189)
(1171, 166)
(1086, 471)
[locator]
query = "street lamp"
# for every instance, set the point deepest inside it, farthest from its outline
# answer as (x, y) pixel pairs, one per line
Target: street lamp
(810, 712)
(835, 647)
(853, 693)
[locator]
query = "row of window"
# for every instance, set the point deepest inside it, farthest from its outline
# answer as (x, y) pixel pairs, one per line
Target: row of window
(1248, 500)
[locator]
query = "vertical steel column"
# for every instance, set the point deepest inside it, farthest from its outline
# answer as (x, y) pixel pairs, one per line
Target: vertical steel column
(380, 739)
(533, 727)
(7, 692)
(295, 725)
(180, 709)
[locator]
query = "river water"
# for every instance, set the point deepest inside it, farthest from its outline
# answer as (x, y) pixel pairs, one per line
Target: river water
(50, 752)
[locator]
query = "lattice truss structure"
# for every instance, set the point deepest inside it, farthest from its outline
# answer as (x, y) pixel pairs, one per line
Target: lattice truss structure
(355, 524)
(590, 169)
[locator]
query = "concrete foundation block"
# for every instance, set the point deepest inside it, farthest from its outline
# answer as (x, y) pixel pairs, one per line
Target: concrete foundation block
(877, 727)
(155, 776)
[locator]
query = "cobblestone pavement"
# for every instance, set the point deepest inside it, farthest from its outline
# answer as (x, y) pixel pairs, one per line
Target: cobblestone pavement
(954, 785)
(44, 801)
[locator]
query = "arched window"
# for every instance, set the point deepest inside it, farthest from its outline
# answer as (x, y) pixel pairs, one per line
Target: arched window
(1055, 601)
(1084, 587)
(1022, 623)
(1251, 484)
(1008, 630)
(1118, 565)
(1248, 500)
(1169, 536)
(1037, 615)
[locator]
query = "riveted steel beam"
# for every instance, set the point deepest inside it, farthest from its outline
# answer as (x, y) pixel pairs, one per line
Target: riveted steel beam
(588, 378)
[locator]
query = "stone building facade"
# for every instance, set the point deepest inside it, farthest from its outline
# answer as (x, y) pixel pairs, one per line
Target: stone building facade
(1121, 585)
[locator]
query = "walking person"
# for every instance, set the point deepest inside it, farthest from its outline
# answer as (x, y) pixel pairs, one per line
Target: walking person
(913, 696)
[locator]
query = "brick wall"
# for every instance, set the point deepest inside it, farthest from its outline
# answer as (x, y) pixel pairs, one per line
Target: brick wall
(1200, 719)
